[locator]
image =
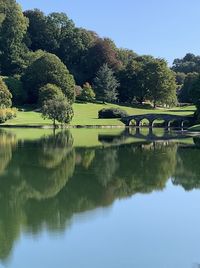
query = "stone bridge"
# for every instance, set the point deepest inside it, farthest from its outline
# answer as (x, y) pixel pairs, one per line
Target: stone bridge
(167, 118)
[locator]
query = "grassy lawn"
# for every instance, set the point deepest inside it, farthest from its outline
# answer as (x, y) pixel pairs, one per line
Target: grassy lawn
(195, 128)
(87, 114)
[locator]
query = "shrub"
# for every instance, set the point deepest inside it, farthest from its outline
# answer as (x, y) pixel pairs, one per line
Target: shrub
(87, 93)
(5, 95)
(6, 114)
(112, 113)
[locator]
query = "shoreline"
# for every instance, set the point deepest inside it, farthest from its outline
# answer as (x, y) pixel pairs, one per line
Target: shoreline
(186, 131)
(59, 127)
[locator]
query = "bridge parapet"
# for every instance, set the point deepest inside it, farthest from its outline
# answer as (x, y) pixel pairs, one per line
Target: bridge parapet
(167, 118)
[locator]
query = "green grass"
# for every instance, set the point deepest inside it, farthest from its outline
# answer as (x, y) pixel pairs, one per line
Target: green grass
(87, 114)
(195, 128)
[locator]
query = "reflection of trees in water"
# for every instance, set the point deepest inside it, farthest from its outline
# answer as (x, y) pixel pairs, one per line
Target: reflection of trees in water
(143, 169)
(35, 190)
(188, 168)
(105, 165)
(7, 143)
(32, 174)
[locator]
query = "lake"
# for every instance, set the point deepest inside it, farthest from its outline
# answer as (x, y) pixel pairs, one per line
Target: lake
(99, 198)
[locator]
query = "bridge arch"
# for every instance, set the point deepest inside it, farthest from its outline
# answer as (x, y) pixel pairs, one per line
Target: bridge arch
(168, 119)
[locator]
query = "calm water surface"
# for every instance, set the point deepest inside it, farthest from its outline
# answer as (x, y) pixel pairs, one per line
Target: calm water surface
(99, 199)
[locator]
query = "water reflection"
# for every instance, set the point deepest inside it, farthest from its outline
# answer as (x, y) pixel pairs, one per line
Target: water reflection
(45, 182)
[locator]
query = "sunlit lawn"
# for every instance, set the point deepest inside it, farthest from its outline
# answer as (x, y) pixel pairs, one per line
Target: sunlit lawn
(87, 114)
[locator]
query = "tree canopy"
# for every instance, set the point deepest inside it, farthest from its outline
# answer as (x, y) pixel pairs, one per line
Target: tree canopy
(48, 69)
(13, 27)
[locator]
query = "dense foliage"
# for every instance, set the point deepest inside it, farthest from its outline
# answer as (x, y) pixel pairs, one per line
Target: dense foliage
(5, 95)
(37, 49)
(6, 114)
(49, 92)
(57, 109)
(87, 94)
(48, 69)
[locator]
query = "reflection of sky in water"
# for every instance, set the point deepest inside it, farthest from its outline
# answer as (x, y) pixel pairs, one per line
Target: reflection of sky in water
(157, 230)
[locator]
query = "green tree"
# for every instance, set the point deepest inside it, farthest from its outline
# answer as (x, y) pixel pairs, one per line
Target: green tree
(186, 93)
(134, 83)
(49, 92)
(5, 95)
(87, 93)
(188, 64)
(13, 26)
(48, 69)
(125, 56)
(103, 51)
(105, 84)
(57, 109)
(161, 83)
(194, 90)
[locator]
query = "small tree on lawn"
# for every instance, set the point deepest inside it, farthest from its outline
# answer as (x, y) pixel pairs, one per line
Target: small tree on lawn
(105, 84)
(87, 93)
(57, 109)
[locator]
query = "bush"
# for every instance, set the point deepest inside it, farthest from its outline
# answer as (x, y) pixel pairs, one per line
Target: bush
(112, 113)
(87, 93)
(5, 95)
(6, 114)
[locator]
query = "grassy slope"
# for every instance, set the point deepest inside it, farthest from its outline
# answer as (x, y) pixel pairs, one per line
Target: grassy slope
(87, 114)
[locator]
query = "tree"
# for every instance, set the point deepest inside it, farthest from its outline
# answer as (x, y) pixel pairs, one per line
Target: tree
(186, 93)
(57, 109)
(13, 26)
(5, 95)
(125, 56)
(161, 83)
(49, 92)
(134, 83)
(188, 64)
(48, 69)
(87, 93)
(105, 84)
(37, 35)
(194, 90)
(57, 34)
(47, 32)
(102, 52)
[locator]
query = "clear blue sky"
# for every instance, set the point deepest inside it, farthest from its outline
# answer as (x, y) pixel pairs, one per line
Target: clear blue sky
(162, 28)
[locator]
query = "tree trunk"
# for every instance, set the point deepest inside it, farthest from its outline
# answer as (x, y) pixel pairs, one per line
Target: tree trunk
(54, 123)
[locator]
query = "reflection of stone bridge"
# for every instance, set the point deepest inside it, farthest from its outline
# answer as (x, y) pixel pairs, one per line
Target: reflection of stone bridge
(151, 118)
(142, 135)
(151, 136)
